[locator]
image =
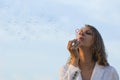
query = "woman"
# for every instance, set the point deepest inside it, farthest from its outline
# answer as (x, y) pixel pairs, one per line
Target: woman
(87, 58)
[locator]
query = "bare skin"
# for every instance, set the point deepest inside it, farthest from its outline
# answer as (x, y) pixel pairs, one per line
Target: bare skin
(81, 53)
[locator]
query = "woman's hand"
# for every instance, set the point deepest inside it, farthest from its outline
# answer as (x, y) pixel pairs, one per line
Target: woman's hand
(73, 49)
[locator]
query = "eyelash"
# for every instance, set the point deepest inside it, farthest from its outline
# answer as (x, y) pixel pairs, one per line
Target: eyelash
(88, 33)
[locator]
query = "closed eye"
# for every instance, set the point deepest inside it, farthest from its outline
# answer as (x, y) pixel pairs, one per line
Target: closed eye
(88, 33)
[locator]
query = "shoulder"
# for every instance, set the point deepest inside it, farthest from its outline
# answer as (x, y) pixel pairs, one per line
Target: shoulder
(69, 68)
(110, 69)
(111, 72)
(107, 72)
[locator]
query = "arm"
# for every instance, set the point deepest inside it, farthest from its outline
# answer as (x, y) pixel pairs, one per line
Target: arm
(70, 73)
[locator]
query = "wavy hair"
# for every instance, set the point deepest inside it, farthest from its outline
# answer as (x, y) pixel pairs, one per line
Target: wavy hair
(98, 49)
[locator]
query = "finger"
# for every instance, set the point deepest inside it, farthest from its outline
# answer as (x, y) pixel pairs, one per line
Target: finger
(72, 44)
(74, 52)
(69, 44)
(76, 43)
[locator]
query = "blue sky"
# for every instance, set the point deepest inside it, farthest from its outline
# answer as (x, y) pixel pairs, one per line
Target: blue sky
(34, 34)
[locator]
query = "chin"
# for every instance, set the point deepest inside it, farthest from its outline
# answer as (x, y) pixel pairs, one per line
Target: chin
(80, 46)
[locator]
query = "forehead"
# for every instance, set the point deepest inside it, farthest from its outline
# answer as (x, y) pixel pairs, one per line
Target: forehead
(85, 29)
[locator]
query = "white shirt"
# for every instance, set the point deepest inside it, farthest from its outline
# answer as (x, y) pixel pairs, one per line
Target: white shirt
(70, 72)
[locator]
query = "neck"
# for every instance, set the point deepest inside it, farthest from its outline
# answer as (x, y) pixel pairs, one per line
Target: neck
(85, 56)
(86, 62)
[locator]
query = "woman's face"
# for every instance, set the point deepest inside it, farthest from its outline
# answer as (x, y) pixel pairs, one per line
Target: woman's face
(85, 36)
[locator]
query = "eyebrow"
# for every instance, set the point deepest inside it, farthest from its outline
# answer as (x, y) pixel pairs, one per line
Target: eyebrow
(85, 30)
(89, 30)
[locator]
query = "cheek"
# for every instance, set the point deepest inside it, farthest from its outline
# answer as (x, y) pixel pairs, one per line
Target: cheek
(90, 41)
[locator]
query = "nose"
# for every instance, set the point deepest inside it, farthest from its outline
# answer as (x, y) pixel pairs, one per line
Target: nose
(82, 33)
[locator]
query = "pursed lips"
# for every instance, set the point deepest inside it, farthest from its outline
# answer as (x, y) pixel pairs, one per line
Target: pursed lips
(81, 38)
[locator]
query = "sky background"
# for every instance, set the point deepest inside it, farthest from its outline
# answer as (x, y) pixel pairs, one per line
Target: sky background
(34, 34)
